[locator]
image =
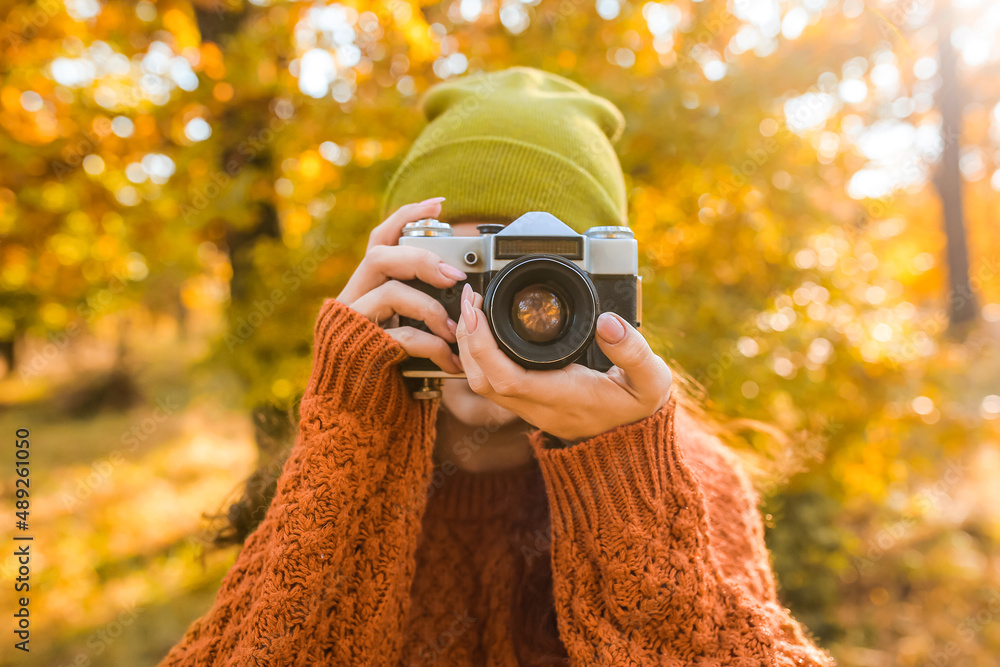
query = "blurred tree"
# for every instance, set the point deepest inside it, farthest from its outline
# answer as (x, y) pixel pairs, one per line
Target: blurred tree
(961, 301)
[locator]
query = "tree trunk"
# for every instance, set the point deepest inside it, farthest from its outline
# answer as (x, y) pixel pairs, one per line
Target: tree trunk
(962, 305)
(7, 355)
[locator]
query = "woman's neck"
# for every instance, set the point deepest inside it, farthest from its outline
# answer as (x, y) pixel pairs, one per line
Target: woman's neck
(486, 448)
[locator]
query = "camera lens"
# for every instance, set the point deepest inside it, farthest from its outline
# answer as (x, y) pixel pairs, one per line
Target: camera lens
(538, 314)
(542, 310)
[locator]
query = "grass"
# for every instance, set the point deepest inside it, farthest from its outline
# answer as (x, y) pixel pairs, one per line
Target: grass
(119, 569)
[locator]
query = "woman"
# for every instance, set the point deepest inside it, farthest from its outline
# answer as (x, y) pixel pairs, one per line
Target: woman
(564, 517)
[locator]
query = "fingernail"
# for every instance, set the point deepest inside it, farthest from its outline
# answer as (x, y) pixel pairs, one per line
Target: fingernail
(609, 328)
(432, 200)
(452, 325)
(449, 271)
(467, 293)
(470, 317)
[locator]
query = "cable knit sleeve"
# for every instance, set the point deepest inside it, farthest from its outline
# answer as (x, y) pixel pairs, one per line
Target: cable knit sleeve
(658, 552)
(325, 578)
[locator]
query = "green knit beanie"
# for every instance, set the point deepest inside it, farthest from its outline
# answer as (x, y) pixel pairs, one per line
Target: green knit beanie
(500, 144)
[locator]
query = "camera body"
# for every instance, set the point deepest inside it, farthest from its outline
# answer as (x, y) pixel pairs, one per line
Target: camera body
(543, 287)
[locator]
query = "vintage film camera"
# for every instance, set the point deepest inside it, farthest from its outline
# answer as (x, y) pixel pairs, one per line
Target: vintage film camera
(543, 287)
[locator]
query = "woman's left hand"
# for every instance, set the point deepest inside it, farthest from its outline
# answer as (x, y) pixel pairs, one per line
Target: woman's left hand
(573, 402)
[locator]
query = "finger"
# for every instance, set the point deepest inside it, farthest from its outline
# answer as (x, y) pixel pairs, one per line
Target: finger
(419, 343)
(472, 296)
(395, 298)
(401, 263)
(647, 375)
(506, 377)
(407, 262)
(473, 374)
(388, 231)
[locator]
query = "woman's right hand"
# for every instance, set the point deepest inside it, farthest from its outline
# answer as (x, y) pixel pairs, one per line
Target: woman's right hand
(374, 289)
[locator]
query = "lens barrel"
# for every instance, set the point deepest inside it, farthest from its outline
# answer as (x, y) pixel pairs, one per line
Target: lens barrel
(542, 310)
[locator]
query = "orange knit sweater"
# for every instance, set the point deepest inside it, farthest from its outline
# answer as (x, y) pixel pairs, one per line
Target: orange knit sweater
(371, 555)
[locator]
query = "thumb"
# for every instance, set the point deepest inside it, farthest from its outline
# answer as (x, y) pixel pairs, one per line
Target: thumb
(645, 371)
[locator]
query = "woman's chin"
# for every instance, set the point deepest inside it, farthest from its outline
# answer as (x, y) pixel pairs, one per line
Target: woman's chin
(470, 408)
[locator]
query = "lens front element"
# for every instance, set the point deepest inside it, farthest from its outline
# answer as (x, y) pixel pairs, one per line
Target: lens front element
(538, 314)
(542, 310)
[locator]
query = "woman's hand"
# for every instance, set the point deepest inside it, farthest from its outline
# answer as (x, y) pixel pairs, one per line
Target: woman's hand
(574, 402)
(374, 289)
